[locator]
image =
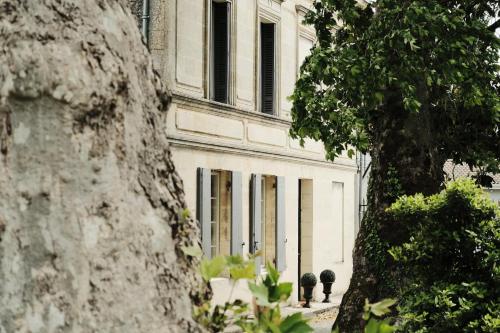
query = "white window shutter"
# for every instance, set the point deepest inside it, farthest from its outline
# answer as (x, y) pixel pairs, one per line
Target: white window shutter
(236, 214)
(203, 214)
(255, 211)
(280, 225)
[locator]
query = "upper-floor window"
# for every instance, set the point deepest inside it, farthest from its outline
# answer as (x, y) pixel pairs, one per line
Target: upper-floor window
(220, 37)
(267, 67)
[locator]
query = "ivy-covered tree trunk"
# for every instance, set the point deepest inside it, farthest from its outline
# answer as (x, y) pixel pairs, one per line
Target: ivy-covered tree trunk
(91, 208)
(404, 161)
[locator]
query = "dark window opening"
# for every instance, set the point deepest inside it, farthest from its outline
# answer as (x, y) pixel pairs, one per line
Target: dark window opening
(220, 52)
(267, 67)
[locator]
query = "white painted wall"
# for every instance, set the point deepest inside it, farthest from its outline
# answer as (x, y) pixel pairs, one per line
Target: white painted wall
(237, 137)
(328, 246)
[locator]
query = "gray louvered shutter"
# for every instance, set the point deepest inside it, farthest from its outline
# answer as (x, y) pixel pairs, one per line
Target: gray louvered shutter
(255, 215)
(203, 214)
(236, 214)
(267, 55)
(220, 52)
(280, 225)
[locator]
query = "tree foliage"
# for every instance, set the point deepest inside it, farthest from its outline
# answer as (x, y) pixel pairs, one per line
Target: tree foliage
(421, 55)
(412, 82)
(450, 264)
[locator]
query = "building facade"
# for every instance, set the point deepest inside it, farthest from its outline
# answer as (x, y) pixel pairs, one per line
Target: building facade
(230, 66)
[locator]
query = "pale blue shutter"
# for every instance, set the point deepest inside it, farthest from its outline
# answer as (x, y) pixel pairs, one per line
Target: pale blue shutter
(236, 214)
(203, 213)
(255, 210)
(280, 225)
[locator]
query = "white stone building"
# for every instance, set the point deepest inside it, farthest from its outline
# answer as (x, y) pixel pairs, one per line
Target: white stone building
(231, 66)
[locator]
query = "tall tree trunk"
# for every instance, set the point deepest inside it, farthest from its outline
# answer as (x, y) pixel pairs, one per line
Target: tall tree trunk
(405, 160)
(91, 229)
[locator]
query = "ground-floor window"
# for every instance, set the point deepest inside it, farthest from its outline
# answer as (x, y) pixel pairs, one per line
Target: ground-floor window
(220, 211)
(219, 218)
(267, 220)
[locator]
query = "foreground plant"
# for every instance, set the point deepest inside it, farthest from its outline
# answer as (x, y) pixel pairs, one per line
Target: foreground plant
(372, 314)
(267, 291)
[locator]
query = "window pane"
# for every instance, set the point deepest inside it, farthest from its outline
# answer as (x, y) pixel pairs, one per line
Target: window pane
(214, 185)
(214, 211)
(213, 230)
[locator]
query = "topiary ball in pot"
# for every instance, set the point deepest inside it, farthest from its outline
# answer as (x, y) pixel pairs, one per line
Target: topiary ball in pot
(327, 278)
(308, 281)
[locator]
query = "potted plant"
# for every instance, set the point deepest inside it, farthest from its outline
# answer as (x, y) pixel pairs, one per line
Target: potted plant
(327, 278)
(308, 282)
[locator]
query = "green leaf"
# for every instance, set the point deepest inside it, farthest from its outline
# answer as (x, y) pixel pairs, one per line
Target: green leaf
(212, 268)
(272, 273)
(385, 327)
(243, 272)
(355, 70)
(382, 308)
(285, 289)
(260, 292)
(295, 323)
(235, 260)
(186, 214)
(192, 251)
(372, 326)
(290, 320)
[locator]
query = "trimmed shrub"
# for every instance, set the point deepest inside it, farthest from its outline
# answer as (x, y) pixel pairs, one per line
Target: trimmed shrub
(308, 280)
(450, 265)
(327, 276)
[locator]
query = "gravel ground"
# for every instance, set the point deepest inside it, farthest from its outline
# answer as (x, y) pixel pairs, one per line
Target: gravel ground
(322, 323)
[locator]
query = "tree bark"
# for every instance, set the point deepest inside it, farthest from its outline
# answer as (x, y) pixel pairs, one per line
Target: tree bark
(405, 160)
(91, 226)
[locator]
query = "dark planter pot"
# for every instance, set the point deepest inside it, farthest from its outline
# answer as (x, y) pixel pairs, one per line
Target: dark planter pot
(327, 290)
(308, 295)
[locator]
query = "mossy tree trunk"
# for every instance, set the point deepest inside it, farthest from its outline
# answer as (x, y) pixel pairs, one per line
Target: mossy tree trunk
(91, 230)
(405, 160)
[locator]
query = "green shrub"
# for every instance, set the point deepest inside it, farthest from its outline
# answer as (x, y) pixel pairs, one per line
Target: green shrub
(450, 266)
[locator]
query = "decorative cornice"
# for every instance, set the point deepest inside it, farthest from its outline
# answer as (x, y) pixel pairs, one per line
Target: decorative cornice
(340, 162)
(302, 9)
(226, 109)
